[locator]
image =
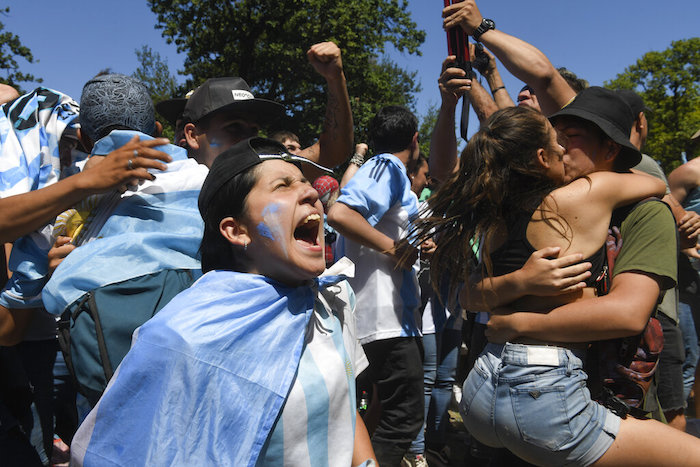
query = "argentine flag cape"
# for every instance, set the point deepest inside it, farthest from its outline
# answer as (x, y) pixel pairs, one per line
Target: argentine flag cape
(31, 127)
(154, 228)
(205, 378)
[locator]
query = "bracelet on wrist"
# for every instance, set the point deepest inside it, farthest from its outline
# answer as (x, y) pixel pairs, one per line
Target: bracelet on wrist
(357, 159)
(494, 91)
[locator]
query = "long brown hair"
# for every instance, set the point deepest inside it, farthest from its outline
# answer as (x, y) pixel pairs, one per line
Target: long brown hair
(498, 179)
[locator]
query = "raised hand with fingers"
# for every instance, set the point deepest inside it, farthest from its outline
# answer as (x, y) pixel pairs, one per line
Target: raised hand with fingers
(453, 82)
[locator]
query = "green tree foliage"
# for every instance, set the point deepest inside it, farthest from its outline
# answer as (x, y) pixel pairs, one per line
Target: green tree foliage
(153, 71)
(265, 42)
(669, 83)
(10, 50)
(425, 130)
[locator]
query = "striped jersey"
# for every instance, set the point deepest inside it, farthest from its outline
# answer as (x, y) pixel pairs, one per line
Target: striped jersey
(317, 423)
(388, 298)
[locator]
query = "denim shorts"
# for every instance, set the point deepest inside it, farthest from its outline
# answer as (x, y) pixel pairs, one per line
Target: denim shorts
(533, 401)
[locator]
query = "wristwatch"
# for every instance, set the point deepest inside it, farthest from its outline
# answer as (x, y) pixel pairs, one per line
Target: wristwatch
(485, 25)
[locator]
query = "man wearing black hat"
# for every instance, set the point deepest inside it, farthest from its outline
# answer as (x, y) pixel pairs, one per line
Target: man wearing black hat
(594, 128)
(224, 111)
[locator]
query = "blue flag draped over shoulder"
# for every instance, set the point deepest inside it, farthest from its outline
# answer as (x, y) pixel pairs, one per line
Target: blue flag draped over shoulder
(154, 228)
(205, 379)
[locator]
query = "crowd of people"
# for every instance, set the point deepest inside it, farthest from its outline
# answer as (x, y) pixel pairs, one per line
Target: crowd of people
(233, 299)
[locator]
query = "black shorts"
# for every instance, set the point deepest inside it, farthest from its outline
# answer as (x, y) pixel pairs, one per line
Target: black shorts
(670, 370)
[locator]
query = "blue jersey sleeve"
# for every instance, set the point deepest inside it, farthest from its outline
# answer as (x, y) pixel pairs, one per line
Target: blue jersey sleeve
(375, 188)
(29, 265)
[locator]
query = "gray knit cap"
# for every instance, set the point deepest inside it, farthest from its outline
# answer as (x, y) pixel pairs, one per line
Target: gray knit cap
(115, 101)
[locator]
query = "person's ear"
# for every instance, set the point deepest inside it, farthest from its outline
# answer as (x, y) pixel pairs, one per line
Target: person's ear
(541, 159)
(414, 140)
(84, 140)
(190, 132)
(612, 150)
(234, 231)
(159, 130)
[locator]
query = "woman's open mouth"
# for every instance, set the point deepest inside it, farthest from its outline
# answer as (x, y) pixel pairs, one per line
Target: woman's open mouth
(307, 233)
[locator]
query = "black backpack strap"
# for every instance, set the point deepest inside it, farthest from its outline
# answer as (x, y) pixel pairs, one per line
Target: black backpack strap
(101, 345)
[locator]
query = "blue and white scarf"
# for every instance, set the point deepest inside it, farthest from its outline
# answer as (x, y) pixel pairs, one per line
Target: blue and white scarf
(206, 378)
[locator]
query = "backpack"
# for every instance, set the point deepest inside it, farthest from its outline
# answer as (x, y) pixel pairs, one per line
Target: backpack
(621, 371)
(94, 332)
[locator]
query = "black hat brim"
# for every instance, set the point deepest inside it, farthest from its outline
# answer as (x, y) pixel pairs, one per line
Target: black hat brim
(171, 109)
(260, 111)
(629, 155)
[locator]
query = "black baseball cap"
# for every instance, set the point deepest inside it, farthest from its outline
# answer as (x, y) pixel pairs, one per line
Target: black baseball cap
(609, 112)
(229, 95)
(239, 158)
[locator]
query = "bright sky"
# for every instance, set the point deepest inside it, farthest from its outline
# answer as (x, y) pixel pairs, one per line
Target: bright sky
(74, 39)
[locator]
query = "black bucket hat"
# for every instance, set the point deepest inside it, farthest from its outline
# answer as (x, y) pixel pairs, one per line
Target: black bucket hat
(239, 158)
(634, 100)
(229, 95)
(609, 112)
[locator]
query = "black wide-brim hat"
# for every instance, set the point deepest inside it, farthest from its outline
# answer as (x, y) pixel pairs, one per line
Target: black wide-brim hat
(172, 109)
(609, 112)
(230, 95)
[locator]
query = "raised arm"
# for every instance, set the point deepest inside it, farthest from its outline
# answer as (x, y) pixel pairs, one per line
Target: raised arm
(443, 143)
(523, 60)
(482, 102)
(496, 86)
(334, 145)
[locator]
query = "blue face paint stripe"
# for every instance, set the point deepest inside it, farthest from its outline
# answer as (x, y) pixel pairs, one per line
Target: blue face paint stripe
(271, 220)
(265, 231)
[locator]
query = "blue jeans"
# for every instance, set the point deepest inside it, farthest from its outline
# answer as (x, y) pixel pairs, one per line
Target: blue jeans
(441, 351)
(690, 342)
(429, 371)
(533, 400)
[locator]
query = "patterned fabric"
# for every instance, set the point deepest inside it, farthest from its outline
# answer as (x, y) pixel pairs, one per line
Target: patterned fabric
(115, 101)
(140, 232)
(30, 131)
(206, 378)
(317, 424)
(387, 297)
(325, 185)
